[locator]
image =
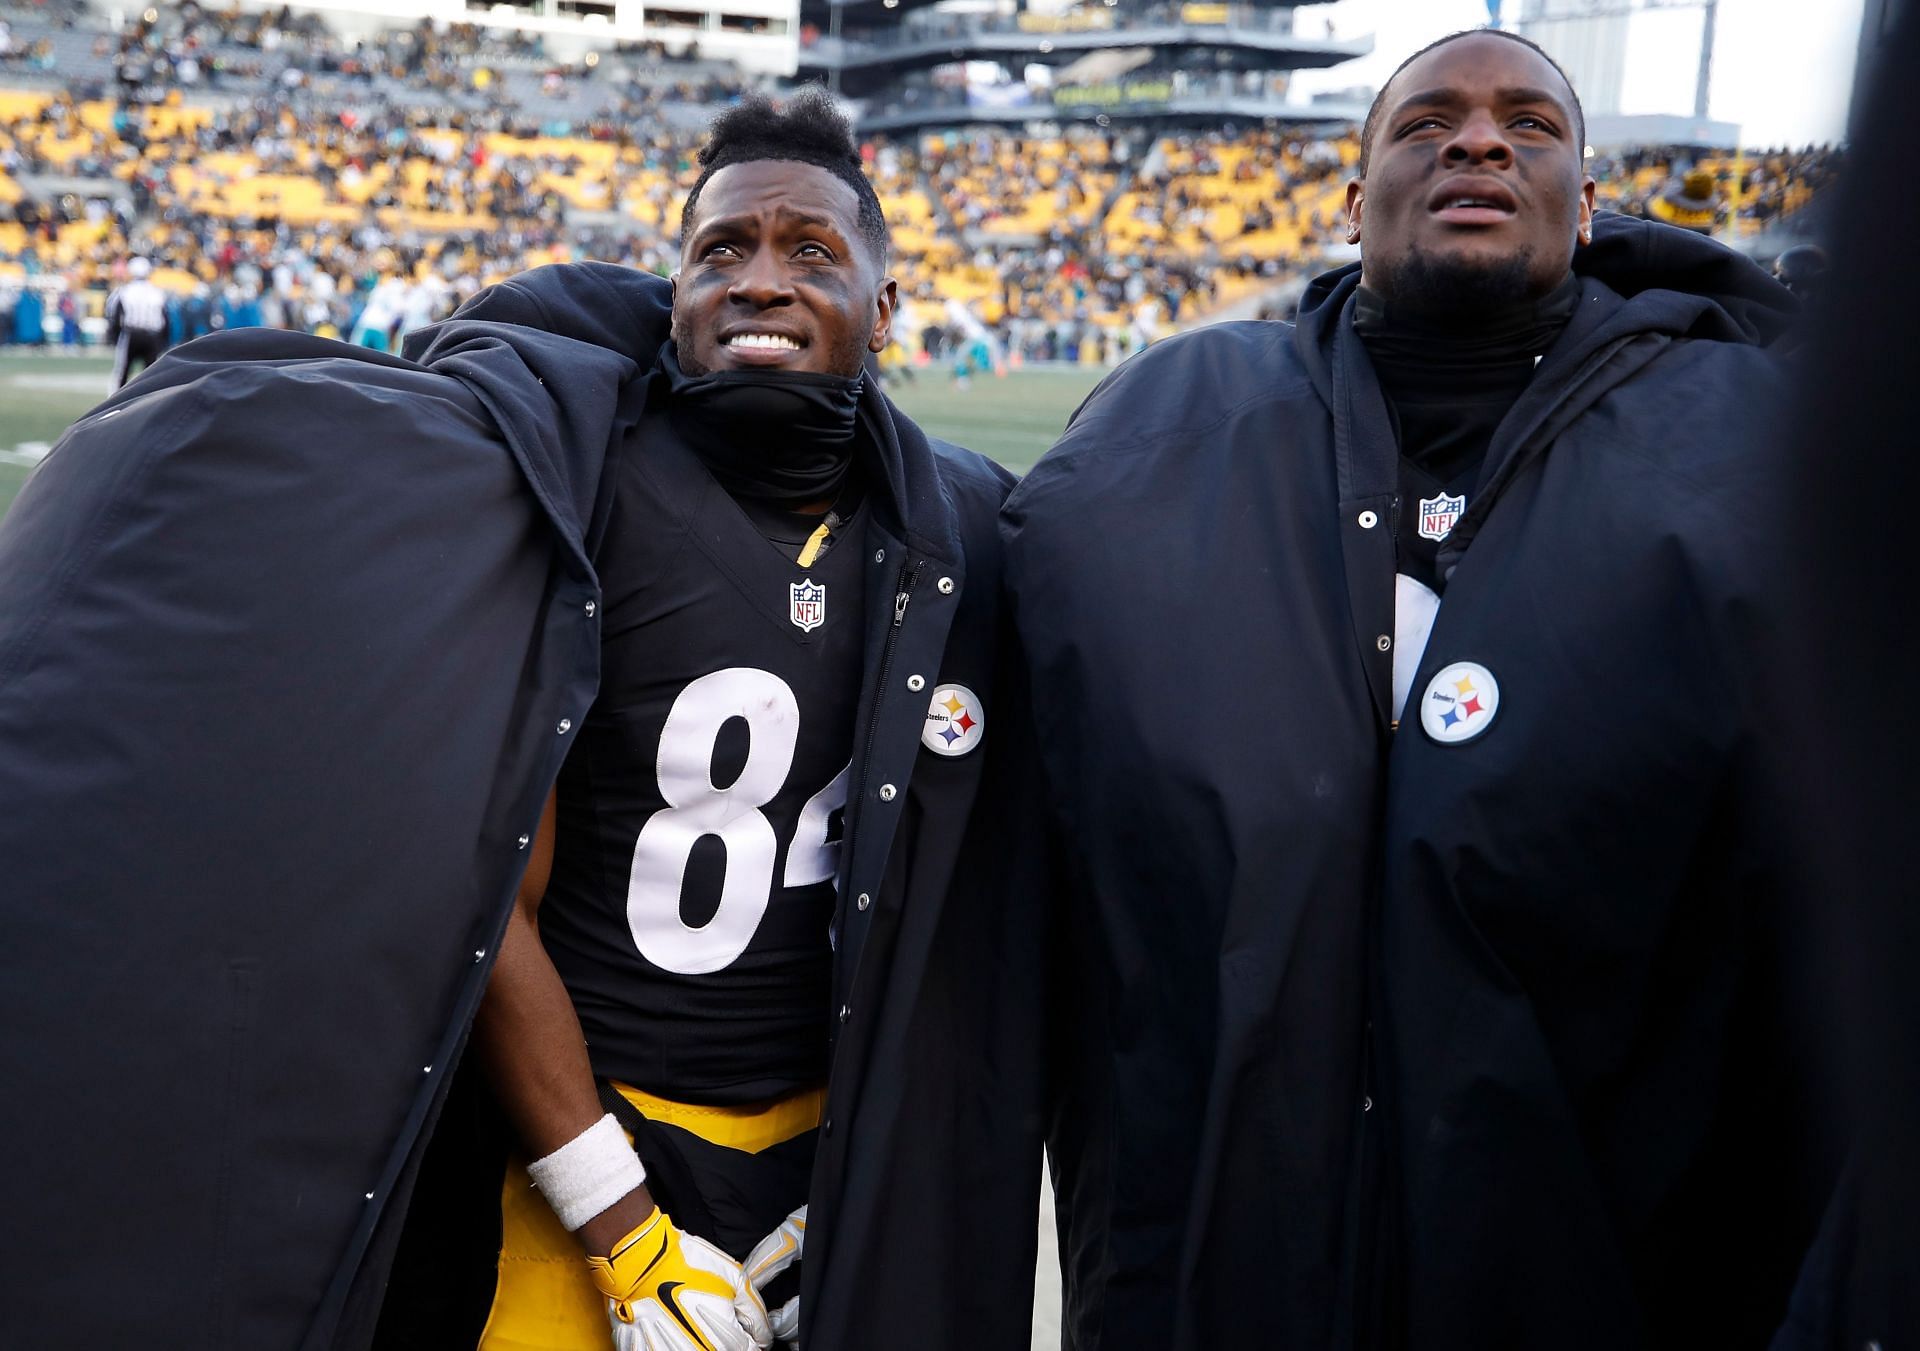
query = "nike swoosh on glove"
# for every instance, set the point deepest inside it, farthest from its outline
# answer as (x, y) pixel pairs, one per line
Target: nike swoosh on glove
(773, 1255)
(669, 1291)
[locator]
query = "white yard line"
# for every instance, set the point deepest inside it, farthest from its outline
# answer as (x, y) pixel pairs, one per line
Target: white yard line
(27, 453)
(61, 382)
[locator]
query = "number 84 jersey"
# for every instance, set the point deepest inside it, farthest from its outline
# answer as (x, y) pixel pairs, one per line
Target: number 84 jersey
(700, 810)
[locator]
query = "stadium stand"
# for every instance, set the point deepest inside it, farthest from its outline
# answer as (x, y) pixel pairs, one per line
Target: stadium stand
(1754, 190)
(277, 173)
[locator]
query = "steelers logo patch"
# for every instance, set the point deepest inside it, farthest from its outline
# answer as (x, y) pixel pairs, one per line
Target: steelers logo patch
(955, 721)
(1460, 703)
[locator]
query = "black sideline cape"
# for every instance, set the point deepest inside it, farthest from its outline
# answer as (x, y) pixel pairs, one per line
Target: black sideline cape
(1569, 1126)
(291, 640)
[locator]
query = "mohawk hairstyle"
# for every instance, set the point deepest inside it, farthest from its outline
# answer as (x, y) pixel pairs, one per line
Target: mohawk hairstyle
(1380, 99)
(809, 130)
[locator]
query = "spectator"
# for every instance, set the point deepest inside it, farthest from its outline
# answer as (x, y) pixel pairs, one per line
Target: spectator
(29, 319)
(69, 309)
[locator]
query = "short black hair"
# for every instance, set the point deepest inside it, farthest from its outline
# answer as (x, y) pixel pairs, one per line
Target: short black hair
(809, 130)
(1380, 99)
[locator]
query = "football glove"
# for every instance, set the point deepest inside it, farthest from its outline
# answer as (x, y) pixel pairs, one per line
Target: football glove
(669, 1291)
(773, 1255)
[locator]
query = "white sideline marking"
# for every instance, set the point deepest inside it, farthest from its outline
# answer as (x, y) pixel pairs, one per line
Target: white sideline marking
(28, 453)
(63, 382)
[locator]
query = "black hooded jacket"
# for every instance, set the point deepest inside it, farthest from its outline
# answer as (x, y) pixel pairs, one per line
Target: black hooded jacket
(1554, 930)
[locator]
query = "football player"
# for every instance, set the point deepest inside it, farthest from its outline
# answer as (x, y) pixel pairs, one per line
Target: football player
(783, 634)
(1437, 1003)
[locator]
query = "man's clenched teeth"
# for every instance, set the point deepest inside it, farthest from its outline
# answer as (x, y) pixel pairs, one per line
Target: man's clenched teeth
(764, 342)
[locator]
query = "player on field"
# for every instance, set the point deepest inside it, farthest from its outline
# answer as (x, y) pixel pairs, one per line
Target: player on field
(730, 959)
(1407, 785)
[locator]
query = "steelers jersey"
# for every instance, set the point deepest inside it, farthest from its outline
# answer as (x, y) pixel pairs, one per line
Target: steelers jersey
(701, 807)
(1433, 498)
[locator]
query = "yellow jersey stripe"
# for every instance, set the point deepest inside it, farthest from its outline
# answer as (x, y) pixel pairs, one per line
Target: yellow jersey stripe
(749, 1129)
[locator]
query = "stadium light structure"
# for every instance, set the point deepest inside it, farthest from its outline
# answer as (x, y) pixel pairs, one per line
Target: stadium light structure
(1613, 9)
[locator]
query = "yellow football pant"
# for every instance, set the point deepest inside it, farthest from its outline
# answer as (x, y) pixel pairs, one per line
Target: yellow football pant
(544, 1300)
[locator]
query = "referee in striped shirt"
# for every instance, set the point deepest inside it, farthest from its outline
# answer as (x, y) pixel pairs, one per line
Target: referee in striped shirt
(136, 322)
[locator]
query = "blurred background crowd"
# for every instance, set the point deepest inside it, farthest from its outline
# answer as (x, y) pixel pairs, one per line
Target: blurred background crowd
(272, 172)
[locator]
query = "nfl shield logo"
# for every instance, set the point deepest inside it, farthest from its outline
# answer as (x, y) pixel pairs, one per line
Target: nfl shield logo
(806, 605)
(1439, 514)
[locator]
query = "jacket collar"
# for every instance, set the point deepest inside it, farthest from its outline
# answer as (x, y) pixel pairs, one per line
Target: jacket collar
(1642, 285)
(1660, 280)
(1576, 371)
(910, 498)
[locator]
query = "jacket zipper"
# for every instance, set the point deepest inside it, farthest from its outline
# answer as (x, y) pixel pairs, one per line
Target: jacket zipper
(908, 575)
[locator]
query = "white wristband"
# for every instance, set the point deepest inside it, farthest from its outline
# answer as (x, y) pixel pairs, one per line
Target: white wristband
(588, 1173)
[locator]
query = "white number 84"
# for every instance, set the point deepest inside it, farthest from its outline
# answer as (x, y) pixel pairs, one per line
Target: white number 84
(733, 815)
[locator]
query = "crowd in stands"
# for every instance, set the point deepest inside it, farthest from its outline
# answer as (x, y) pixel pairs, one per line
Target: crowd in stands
(218, 199)
(191, 48)
(187, 46)
(1099, 240)
(1752, 190)
(19, 55)
(366, 187)
(934, 25)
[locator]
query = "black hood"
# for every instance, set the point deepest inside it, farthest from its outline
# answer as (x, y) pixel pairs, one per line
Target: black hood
(1676, 282)
(1642, 285)
(570, 330)
(1642, 257)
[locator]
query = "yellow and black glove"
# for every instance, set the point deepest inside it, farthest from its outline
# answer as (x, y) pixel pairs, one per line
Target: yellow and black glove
(669, 1291)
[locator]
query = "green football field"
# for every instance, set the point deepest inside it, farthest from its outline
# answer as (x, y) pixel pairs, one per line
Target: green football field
(1013, 419)
(39, 396)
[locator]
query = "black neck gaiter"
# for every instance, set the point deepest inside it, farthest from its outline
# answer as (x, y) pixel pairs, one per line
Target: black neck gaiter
(781, 437)
(1450, 379)
(1420, 349)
